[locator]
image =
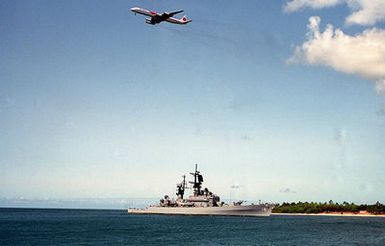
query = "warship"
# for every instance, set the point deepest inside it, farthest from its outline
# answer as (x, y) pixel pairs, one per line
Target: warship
(202, 202)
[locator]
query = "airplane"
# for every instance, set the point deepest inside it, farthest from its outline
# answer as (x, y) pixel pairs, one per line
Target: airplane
(157, 18)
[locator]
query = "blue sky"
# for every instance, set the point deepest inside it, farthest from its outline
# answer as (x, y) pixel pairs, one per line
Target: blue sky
(94, 103)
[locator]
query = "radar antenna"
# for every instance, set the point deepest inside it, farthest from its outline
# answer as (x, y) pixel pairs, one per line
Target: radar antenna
(197, 183)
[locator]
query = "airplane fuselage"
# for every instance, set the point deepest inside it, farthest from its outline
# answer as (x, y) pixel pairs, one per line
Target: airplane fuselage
(157, 18)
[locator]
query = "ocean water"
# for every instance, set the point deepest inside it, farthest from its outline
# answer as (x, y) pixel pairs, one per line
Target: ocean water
(112, 227)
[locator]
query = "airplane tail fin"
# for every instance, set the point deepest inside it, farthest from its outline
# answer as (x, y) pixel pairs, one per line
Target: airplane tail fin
(185, 20)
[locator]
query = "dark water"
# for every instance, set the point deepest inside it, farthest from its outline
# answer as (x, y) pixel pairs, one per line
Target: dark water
(107, 227)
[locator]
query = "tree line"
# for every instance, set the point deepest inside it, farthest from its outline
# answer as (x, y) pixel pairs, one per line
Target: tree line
(314, 207)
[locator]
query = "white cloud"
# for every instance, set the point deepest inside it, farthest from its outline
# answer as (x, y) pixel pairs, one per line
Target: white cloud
(295, 5)
(362, 54)
(364, 12)
(287, 190)
(380, 86)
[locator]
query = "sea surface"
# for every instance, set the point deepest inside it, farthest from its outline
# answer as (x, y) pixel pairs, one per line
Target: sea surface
(114, 227)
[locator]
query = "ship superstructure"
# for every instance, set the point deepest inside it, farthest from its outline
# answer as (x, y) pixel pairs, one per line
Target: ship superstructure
(201, 202)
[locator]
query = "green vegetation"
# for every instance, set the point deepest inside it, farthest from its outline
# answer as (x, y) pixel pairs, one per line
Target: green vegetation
(314, 208)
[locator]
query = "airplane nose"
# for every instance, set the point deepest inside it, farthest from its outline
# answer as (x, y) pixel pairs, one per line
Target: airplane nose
(134, 8)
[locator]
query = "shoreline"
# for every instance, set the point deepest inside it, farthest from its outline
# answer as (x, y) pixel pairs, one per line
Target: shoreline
(332, 214)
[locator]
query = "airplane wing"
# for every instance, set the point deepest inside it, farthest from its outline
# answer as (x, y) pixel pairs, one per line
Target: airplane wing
(171, 14)
(166, 15)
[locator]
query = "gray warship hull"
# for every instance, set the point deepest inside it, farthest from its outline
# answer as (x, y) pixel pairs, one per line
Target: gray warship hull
(244, 210)
(202, 202)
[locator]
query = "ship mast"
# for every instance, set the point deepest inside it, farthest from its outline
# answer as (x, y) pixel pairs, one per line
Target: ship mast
(181, 187)
(197, 183)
